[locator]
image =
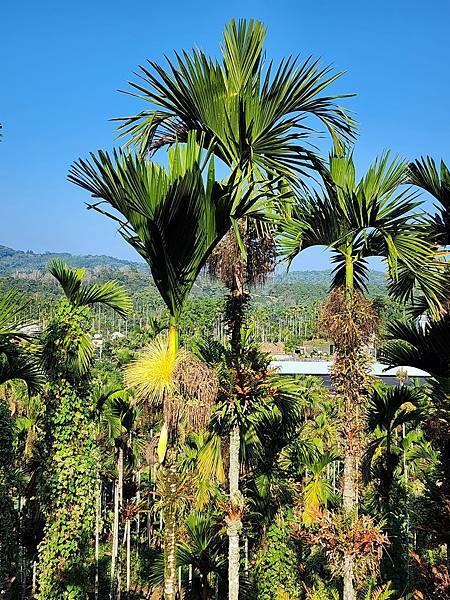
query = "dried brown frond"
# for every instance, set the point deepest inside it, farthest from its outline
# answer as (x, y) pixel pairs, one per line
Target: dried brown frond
(343, 535)
(228, 264)
(198, 386)
(348, 320)
(261, 256)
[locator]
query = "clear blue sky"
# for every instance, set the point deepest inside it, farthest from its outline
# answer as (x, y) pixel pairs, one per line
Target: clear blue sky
(62, 62)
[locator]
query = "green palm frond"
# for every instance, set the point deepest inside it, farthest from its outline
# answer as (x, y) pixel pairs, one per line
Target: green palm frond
(391, 407)
(18, 359)
(17, 363)
(425, 174)
(421, 347)
(13, 314)
(375, 216)
(111, 293)
(171, 216)
(254, 112)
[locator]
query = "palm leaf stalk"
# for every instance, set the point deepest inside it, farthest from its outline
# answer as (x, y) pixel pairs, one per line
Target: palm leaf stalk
(71, 467)
(374, 216)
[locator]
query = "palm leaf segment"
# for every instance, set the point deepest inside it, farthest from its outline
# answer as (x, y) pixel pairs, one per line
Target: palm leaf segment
(252, 111)
(171, 216)
(425, 348)
(111, 293)
(425, 174)
(17, 361)
(356, 220)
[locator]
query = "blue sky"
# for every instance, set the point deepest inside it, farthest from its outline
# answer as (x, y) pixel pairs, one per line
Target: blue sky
(62, 62)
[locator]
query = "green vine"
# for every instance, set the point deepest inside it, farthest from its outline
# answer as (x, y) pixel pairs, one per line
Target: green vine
(71, 465)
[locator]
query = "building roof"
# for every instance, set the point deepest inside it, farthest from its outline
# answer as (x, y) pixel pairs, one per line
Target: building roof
(322, 367)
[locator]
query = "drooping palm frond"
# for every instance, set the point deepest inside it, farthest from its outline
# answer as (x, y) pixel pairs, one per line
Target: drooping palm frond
(425, 174)
(17, 363)
(111, 293)
(425, 347)
(394, 406)
(253, 111)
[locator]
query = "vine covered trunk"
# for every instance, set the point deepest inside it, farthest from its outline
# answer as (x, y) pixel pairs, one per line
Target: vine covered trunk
(71, 475)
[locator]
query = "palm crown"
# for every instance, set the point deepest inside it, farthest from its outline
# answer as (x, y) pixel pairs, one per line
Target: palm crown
(171, 216)
(67, 345)
(252, 111)
(359, 219)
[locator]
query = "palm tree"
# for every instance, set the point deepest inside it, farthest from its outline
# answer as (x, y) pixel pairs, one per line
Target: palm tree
(356, 220)
(254, 117)
(174, 220)
(204, 550)
(388, 411)
(254, 113)
(18, 361)
(71, 467)
(120, 418)
(427, 348)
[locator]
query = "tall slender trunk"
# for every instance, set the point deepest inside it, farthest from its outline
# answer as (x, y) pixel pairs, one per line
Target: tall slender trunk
(98, 511)
(170, 524)
(351, 463)
(350, 506)
(169, 512)
(115, 567)
(234, 525)
(115, 540)
(128, 536)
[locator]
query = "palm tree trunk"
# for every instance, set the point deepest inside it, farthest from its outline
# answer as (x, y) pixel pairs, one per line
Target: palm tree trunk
(350, 505)
(116, 527)
(115, 540)
(128, 535)
(97, 535)
(234, 525)
(170, 519)
(351, 436)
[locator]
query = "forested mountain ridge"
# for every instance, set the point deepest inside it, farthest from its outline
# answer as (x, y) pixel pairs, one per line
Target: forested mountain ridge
(20, 263)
